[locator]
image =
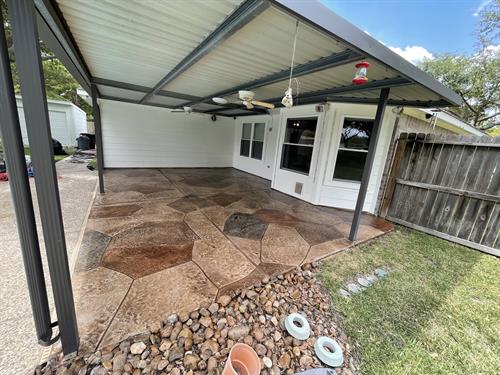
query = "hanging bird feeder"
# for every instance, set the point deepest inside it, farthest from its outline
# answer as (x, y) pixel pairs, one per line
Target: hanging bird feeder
(361, 72)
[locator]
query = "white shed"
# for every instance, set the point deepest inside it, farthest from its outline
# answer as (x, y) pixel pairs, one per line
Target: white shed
(67, 121)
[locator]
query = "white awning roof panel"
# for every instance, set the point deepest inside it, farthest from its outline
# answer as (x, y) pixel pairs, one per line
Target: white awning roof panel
(196, 49)
(138, 41)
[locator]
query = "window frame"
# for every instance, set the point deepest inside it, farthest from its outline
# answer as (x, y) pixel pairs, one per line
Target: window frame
(252, 140)
(331, 174)
(283, 143)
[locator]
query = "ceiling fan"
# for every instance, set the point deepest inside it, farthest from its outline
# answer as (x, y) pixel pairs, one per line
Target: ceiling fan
(185, 109)
(246, 98)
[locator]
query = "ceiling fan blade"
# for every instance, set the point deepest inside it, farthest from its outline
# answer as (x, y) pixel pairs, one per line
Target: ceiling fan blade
(247, 104)
(220, 100)
(177, 110)
(263, 104)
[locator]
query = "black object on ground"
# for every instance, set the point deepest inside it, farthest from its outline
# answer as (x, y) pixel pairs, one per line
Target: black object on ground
(58, 148)
(91, 137)
(83, 142)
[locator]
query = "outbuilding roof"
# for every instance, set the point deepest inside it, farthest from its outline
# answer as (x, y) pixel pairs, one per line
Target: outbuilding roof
(177, 53)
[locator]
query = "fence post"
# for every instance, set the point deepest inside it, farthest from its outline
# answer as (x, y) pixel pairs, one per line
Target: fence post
(401, 143)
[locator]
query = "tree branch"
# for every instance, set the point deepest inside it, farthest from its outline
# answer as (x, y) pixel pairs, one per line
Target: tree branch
(488, 117)
(489, 126)
(467, 103)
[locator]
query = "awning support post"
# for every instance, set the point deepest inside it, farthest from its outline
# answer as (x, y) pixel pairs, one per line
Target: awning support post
(370, 157)
(98, 137)
(21, 196)
(29, 66)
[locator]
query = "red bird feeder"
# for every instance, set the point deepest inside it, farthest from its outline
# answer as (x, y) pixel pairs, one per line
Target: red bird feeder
(361, 72)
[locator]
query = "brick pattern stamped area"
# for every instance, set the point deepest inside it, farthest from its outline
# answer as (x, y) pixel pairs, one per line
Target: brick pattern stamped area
(167, 240)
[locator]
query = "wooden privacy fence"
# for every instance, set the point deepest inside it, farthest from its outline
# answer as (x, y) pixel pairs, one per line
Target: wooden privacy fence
(447, 186)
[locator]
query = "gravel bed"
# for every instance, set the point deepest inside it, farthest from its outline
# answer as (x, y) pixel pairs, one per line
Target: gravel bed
(199, 342)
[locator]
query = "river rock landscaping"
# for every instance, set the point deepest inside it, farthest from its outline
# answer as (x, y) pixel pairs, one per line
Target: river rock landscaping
(199, 342)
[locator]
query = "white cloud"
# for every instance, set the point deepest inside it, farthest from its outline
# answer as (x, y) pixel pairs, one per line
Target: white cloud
(481, 7)
(413, 54)
(492, 48)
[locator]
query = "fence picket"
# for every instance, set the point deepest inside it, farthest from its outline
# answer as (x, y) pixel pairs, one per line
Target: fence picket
(447, 186)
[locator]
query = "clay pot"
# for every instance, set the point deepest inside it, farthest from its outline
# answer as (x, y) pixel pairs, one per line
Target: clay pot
(242, 360)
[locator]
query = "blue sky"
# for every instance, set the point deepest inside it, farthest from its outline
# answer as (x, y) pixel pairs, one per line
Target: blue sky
(429, 26)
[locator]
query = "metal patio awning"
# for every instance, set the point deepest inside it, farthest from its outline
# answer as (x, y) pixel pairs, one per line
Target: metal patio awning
(176, 53)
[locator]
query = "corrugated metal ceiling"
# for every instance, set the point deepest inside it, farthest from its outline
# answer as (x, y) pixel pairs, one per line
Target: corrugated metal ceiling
(262, 47)
(139, 42)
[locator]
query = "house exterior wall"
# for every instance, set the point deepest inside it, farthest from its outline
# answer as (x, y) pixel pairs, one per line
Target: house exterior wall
(136, 136)
(344, 194)
(141, 137)
(409, 124)
(67, 121)
(321, 188)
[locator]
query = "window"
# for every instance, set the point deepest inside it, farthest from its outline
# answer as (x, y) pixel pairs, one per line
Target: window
(354, 142)
(298, 145)
(252, 140)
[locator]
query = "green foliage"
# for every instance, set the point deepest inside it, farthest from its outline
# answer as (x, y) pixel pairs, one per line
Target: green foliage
(489, 26)
(476, 79)
(437, 312)
(59, 83)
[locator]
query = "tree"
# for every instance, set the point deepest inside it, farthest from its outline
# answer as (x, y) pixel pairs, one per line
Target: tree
(476, 79)
(489, 25)
(59, 83)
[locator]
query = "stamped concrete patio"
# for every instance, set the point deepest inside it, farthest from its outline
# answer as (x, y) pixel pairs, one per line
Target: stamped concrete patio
(165, 240)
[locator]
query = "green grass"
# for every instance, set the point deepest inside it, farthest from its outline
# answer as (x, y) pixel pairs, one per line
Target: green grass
(57, 158)
(438, 311)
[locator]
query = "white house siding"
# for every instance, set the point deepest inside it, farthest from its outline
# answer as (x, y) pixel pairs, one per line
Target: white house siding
(136, 136)
(67, 121)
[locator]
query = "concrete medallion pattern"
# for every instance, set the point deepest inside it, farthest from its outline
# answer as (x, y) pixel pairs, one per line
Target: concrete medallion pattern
(165, 240)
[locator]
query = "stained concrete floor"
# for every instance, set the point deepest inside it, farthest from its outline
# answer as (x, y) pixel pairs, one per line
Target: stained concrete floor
(19, 351)
(168, 240)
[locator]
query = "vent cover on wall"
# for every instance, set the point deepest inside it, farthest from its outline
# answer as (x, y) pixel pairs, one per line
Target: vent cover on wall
(298, 187)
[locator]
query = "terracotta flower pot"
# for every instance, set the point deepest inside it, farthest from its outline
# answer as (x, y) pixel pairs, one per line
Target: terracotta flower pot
(242, 360)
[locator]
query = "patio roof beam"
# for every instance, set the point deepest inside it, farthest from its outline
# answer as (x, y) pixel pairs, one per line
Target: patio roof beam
(170, 94)
(230, 106)
(98, 136)
(391, 102)
(29, 66)
(336, 59)
(133, 101)
(369, 161)
(145, 89)
(373, 85)
(247, 11)
(126, 100)
(55, 33)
